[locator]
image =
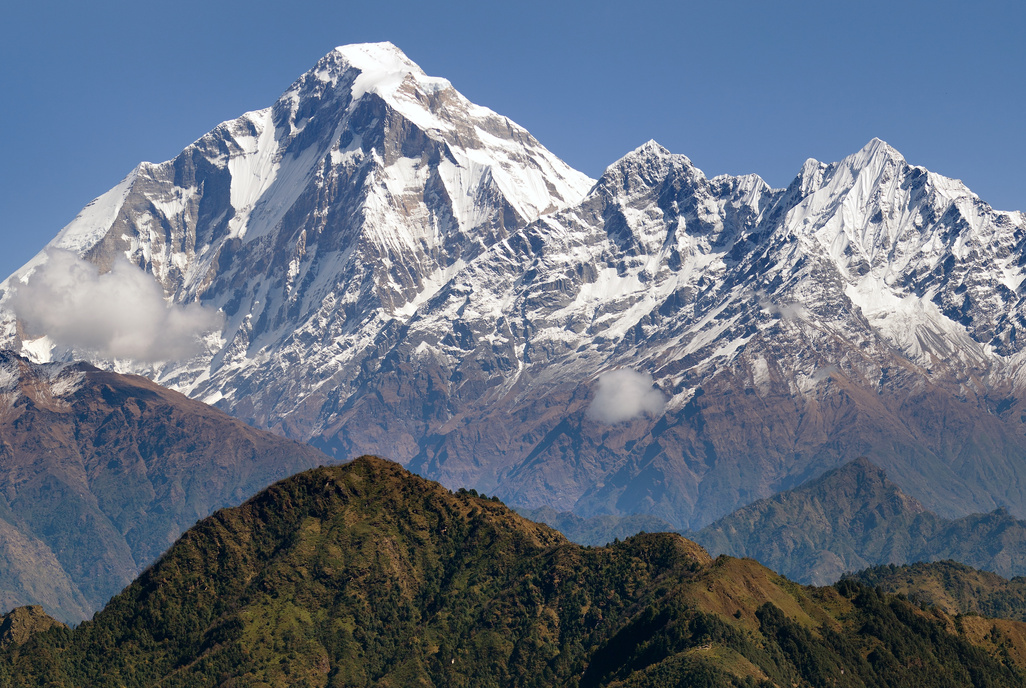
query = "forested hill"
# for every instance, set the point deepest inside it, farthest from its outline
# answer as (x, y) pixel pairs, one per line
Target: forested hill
(954, 587)
(366, 575)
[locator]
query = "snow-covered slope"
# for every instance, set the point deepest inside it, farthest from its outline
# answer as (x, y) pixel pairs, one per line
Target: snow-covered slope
(404, 273)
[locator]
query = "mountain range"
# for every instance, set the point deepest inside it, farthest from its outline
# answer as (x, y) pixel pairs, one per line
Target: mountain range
(848, 519)
(103, 471)
(395, 270)
(366, 575)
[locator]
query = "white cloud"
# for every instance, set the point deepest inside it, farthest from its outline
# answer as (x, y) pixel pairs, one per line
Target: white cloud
(120, 314)
(625, 395)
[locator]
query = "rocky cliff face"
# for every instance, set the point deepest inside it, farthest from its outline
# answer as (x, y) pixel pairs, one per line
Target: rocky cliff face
(21, 623)
(402, 272)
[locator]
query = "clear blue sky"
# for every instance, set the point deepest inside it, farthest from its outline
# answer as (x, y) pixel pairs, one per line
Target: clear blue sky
(90, 89)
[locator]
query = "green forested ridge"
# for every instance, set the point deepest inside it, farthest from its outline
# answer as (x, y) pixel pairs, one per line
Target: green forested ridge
(954, 587)
(366, 575)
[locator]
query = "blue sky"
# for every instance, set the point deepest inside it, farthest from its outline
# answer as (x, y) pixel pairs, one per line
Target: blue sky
(91, 89)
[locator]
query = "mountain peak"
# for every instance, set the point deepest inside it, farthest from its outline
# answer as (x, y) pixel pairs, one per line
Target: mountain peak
(861, 466)
(871, 159)
(874, 154)
(19, 624)
(382, 52)
(649, 149)
(384, 291)
(383, 68)
(653, 146)
(861, 479)
(646, 166)
(854, 504)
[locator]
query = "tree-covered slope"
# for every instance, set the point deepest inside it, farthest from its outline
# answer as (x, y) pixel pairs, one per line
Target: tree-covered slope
(955, 588)
(367, 575)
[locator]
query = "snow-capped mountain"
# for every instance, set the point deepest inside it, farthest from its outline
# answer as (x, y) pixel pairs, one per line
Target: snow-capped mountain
(404, 273)
(319, 223)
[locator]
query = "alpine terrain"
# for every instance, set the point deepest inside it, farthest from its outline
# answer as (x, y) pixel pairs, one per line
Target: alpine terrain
(404, 273)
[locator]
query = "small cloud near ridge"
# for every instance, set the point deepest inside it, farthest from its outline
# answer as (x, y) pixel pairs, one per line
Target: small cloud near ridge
(119, 314)
(622, 395)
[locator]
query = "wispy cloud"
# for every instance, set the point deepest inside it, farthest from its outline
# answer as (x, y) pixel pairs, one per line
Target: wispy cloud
(119, 314)
(622, 395)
